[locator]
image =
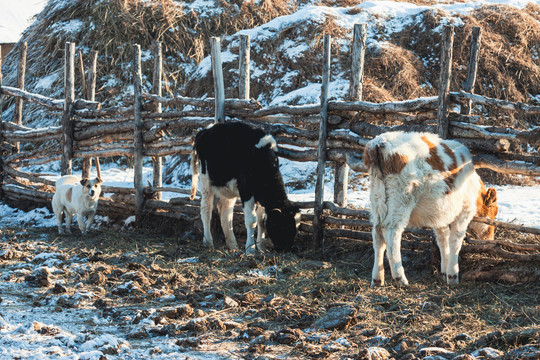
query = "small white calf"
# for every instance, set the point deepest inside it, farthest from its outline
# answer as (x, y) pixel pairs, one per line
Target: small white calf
(416, 180)
(74, 196)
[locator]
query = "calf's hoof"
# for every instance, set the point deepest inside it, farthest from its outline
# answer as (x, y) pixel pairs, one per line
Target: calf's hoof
(251, 250)
(401, 282)
(452, 279)
(377, 283)
(208, 244)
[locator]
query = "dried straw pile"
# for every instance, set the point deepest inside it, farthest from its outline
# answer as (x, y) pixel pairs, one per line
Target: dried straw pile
(112, 27)
(403, 66)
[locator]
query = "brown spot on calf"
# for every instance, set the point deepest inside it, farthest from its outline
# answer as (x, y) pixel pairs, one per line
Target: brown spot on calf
(389, 164)
(434, 159)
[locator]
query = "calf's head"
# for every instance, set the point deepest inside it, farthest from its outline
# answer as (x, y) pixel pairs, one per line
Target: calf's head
(486, 206)
(282, 226)
(92, 188)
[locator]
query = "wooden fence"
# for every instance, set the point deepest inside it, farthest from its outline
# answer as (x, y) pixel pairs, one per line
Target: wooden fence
(323, 132)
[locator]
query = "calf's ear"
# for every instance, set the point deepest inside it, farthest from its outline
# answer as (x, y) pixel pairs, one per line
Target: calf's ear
(490, 198)
(84, 181)
(98, 180)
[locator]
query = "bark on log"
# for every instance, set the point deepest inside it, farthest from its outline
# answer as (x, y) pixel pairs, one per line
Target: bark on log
(419, 104)
(507, 244)
(99, 116)
(36, 154)
(502, 104)
(506, 225)
(173, 150)
(444, 81)
(243, 67)
(219, 87)
(472, 69)
(31, 177)
(45, 101)
(21, 71)
(495, 249)
(209, 103)
(505, 167)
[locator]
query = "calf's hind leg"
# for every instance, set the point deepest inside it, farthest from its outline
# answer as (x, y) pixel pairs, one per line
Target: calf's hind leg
(442, 235)
(379, 247)
(225, 208)
(393, 252)
(207, 205)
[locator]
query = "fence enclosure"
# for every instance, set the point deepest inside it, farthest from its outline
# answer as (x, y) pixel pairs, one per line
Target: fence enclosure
(88, 131)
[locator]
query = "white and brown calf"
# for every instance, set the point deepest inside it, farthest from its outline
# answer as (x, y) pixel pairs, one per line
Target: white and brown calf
(416, 180)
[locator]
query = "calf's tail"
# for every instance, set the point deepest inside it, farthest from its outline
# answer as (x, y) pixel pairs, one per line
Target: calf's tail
(374, 161)
(194, 165)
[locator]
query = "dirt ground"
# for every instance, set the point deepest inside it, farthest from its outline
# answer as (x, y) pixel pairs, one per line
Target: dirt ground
(297, 305)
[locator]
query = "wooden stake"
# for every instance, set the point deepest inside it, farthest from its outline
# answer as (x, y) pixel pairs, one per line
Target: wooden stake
(21, 71)
(81, 69)
(444, 80)
(67, 118)
(468, 84)
(90, 94)
(243, 67)
(2, 137)
(318, 222)
(341, 180)
(219, 87)
(157, 89)
(138, 131)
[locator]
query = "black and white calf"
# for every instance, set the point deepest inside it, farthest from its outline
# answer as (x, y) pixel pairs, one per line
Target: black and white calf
(235, 160)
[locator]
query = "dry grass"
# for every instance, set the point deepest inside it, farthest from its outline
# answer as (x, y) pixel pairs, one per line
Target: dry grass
(428, 313)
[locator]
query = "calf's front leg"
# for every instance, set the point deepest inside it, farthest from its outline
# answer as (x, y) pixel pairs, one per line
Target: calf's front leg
(250, 219)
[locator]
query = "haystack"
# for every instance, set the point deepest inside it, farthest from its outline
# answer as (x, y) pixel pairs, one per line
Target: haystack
(111, 28)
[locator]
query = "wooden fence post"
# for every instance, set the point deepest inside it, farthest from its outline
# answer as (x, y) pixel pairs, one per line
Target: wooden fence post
(447, 43)
(341, 180)
(2, 143)
(138, 135)
(67, 118)
(243, 67)
(219, 87)
(21, 71)
(81, 69)
(157, 89)
(90, 94)
(318, 221)
(468, 84)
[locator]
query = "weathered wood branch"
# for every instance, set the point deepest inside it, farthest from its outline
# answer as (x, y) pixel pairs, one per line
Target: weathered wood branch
(41, 134)
(172, 150)
(505, 167)
(506, 225)
(503, 104)
(250, 104)
(506, 244)
(50, 103)
(31, 177)
(419, 104)
(35, 154)
(497, 250)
